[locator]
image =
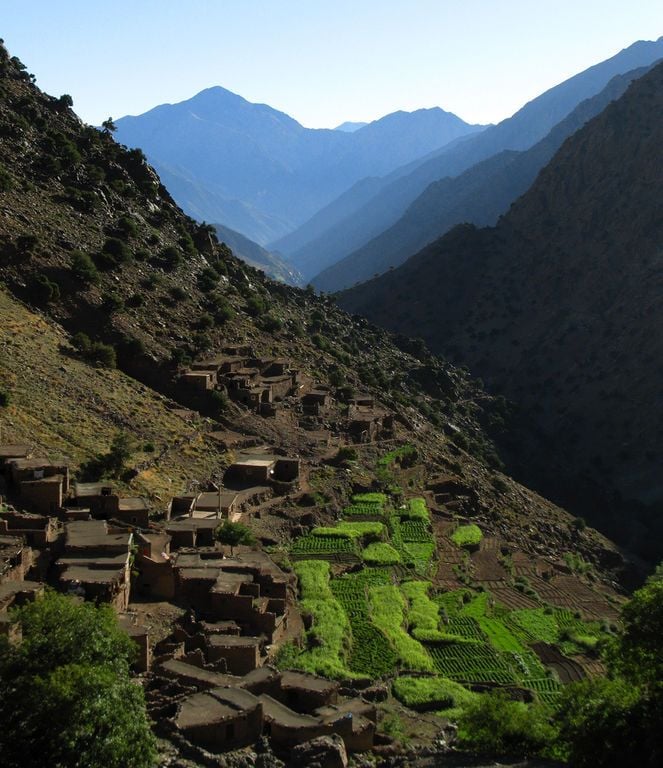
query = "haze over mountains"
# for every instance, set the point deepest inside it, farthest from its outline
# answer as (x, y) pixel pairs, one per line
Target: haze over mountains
(559, 308)
(256, 170)
(341, 229)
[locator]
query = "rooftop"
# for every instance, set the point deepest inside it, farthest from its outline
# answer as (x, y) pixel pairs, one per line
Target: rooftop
(94, 533)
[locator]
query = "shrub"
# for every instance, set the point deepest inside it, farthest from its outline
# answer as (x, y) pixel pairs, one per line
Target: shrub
(271, 323)
(83, 267)
(170, 258)
(177, 293)
(45, 290)
(207, 280)
(81, 341)
(6, 182)
(127, 226)
(223, 311)
(4, 398)
(117, 250)
(112, 303)
(255, 306)
(27, 243)
(345, 453)
(494, 724)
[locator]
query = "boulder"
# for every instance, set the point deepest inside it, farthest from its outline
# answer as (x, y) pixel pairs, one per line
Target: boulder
(325, 751)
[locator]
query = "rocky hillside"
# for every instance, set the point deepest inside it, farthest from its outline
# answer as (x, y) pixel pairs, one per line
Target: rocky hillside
(558, 308)
(102, 267)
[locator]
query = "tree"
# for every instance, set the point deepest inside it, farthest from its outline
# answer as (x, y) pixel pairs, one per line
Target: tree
(66, 697)
(108, 126)
(234, 534)
(616, 722)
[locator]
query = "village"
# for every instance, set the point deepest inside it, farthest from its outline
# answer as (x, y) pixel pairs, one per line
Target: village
(211, 684)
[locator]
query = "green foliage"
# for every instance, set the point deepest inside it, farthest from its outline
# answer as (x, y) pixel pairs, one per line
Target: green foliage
(467, 536)
(170, 258)
(66, 697)
(381, 553)
(6, 181)
(429, 693)
(111, 464)
(234, 535)
(83, 267)
(367, 531)
(114, 253)
(255, 306)
(4, 398)
(177, 293)
(576, 562)
(423, 614)
(329, 638)
(45, 290)
(388, 609)
(345, 454)
(416, 510)
(494, 724)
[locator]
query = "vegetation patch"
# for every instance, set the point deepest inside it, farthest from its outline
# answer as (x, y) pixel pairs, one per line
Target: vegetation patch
(467, 536)
(388, 610)
(330, 636)
(381, 553)
(431, 693)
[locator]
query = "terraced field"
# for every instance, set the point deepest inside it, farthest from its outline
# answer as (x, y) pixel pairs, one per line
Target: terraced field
(401, 618)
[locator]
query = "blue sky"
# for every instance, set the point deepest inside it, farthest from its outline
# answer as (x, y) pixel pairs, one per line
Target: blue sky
(321, 61)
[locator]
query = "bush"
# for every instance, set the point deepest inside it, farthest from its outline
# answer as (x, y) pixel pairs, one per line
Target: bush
(494, 724)
(83, 267)
(223, 312)
(112, 303)
(255, 306)
(4, 398)
(6, 182)
(115, 251)
(177, 293)
(170, 258)
(45, 290)
(102, 354)
(208, 280)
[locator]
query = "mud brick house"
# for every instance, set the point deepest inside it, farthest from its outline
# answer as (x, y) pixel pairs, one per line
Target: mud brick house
(221, 719)
(199, 380)
(98, 498)
(96, 561)
(262, 469)
(132, 511)
(8, 452)
(315, 402)
(366, 423)
(240, 654)
(140, 635)
(217, 504)
(39, 484)
(155, 577)
(16, 593)
(249, 589)
(15, 558)
(192, 532)
(37, 530)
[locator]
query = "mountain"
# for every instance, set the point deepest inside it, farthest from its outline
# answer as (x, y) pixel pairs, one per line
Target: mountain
(335, 238)
(99, 266)
(559, 308)
(478, 196)
(349, 127)
(270, 263)
(259, 171)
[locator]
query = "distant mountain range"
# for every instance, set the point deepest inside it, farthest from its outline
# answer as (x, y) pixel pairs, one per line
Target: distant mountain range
(559, 308)
(372, 206)
(349, 127)
(480, 196)
(272, 264)
(258, 171)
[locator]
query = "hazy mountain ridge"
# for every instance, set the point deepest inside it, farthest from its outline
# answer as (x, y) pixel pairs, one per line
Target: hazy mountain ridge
(220, 150)
(478, 196)
(558, 307)
(529, 125)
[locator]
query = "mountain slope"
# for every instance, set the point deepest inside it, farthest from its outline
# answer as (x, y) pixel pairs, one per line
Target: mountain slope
(258, 170)
(270, 263)
(559, 308)
(338, 238)
(478, 196)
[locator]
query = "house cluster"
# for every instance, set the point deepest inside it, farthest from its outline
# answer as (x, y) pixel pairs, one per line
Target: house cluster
(219, 711)
(271, 387)
(258, 383)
